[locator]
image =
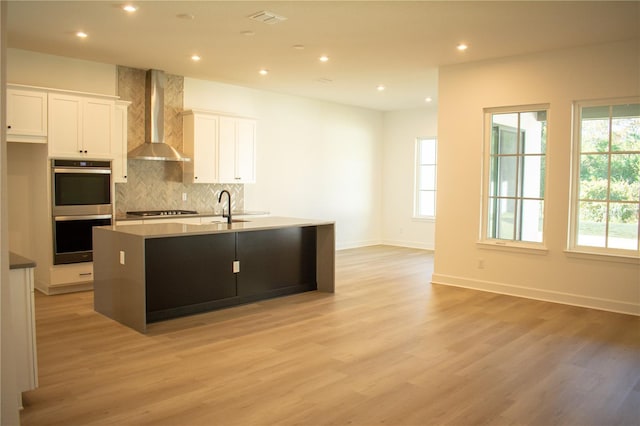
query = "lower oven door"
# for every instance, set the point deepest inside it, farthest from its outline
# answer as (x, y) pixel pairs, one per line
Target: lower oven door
(73, 237)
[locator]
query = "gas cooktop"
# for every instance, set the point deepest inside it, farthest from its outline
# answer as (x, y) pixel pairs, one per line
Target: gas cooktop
(161, 212)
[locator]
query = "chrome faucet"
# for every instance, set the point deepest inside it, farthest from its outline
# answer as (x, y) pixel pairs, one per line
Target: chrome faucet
(229, 198)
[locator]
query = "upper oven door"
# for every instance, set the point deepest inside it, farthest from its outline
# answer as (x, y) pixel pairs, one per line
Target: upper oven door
(81, 187)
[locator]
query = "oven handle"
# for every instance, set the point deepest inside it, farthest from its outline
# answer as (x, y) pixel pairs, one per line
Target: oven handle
(82, 217)
(83, 170)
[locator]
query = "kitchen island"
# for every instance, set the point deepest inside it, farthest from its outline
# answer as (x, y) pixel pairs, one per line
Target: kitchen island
(151, 272)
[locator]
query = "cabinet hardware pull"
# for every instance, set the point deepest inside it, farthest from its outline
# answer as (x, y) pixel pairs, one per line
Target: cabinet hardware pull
(82, 274)
(8, 127)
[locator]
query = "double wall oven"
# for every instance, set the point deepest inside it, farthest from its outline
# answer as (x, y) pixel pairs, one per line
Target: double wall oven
(81, 199)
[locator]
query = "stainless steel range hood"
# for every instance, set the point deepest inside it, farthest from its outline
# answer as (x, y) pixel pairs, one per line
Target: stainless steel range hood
(154, 147)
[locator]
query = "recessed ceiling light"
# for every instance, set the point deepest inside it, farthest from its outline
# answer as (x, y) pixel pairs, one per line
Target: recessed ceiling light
(248, 33)
(324, 80)
(428, 99)
(82, 34)
(298, 46)
(324, 58)
(129, 8)
(187, 16)
(195, 58)
(462, 47)
(263, 71)
(380, 88)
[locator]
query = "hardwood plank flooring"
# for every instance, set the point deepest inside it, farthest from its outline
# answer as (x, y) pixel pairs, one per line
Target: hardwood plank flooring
(386, 348)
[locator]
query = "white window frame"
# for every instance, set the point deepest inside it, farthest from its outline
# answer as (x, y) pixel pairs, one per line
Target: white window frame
(501, 244)
(572, 238)
(417, 178)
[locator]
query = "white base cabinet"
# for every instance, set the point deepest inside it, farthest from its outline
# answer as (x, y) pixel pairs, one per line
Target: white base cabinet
(24, 325)
(67, 278)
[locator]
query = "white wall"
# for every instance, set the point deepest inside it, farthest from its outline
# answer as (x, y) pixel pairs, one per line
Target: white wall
(558, 78)
(400, 130)
(39, 69)
(26, 172)
(315, 159)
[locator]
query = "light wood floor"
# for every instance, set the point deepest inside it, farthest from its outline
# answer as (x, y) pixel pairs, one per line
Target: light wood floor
(386, 348)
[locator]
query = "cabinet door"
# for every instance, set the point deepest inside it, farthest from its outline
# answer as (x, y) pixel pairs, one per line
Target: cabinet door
(188, 271)
(246, 151)
(119, 143)
(65, 129)
(227, 150)
(97, 127)
(204, 149)
(276, 262)
(23, 322)
(26, 115)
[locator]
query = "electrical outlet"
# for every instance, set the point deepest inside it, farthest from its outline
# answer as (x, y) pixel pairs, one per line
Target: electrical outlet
(184, 196)
(121, 257)
(480, 263)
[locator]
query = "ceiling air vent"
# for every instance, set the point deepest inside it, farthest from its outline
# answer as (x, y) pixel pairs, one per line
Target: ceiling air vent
(267, 17)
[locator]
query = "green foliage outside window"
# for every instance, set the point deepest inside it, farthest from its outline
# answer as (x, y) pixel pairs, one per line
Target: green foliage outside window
(609, 187)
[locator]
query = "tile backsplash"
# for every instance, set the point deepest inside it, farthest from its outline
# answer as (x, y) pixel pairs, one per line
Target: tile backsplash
(157, 185)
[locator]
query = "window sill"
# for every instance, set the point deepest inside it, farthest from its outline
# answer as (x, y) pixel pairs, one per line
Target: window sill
(513, 247)
(603, 257)
(431, 219)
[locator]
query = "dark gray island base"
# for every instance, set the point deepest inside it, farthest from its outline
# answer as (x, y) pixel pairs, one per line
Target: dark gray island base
(147, 273)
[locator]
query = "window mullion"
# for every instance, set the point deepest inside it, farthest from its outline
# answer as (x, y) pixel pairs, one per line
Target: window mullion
(517, 205)
(608, 200)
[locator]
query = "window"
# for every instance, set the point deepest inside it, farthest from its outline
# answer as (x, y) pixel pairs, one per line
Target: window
(606, 180)
(515, 170)
(425, 201)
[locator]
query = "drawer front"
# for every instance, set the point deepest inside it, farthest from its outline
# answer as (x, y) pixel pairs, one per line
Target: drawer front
(72, 274)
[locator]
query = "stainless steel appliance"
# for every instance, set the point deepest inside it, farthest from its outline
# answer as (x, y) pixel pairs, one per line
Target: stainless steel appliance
(155, 147)
(81, 199)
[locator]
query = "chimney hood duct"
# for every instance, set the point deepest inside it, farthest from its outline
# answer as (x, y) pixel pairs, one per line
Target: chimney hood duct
(154, 147)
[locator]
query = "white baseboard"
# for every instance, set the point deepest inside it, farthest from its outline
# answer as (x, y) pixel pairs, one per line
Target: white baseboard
(538, 294)
(409, 244)
(50, 290)
(356, 244)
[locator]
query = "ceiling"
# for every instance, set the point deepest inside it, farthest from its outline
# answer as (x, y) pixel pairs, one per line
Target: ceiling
(393, 43)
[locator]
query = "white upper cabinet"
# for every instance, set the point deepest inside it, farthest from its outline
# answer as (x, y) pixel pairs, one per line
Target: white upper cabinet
(80, 126)
(246, 151)
(227, 149)
(237, 150)
(26, 115)
(200, 143)
(222, 148)
(119, 142)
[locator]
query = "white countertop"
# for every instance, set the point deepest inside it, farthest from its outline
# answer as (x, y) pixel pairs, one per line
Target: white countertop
(172, 229)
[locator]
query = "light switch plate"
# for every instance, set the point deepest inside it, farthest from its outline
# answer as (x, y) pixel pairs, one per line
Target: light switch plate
(121, 257)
